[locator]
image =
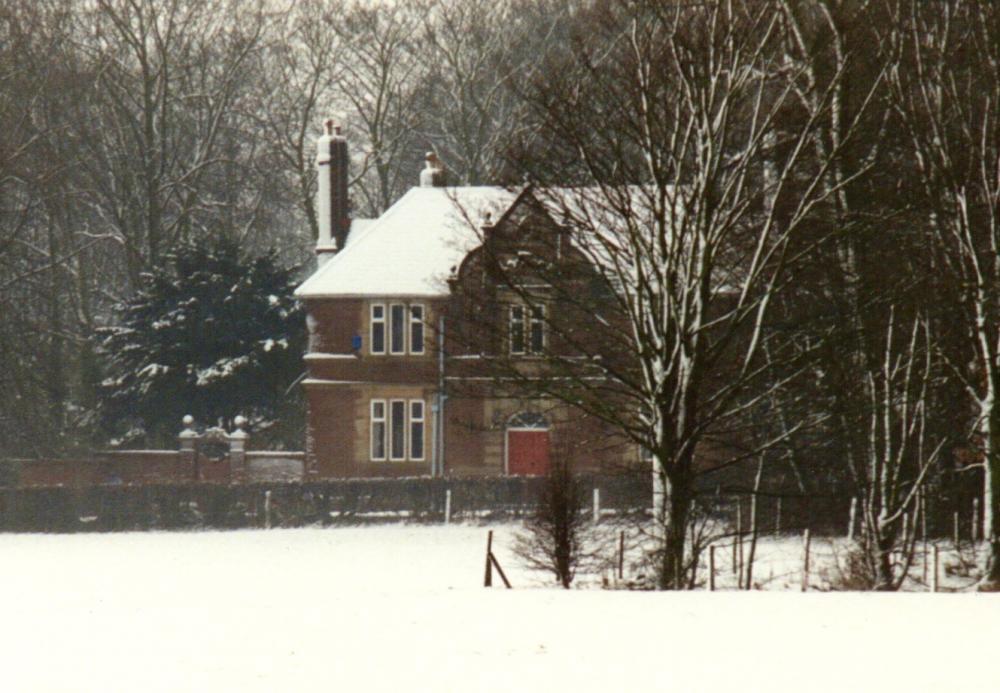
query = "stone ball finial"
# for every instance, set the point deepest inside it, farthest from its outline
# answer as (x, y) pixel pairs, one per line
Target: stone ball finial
(188, 421)
(239, 422)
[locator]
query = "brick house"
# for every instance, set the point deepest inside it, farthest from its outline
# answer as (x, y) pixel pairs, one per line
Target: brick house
(399, 381)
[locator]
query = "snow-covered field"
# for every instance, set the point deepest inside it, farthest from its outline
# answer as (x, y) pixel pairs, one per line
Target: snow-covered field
(402, 608)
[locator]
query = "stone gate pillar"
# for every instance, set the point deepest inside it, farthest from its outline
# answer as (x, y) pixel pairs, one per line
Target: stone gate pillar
(238, 452)
(188, 440)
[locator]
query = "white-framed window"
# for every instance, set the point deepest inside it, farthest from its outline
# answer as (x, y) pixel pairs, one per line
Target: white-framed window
(416, 328)
(526, 329)
(397, 430)
(416, 430)
(536, 341)
(378, 429)
(377, 345)
(516, 329)
(397, 328)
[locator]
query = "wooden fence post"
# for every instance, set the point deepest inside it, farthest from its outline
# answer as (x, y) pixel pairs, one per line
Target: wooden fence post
(621, 555)
(739, 538)
(488, 579)
(597, 505)
(447, 506)
(735, 533)
(491, 563)
(923, 517)
(754, 526)
(267, 509)
(850, 521)
(777, 517)
(805, 561)
(934, 575)
(926, 559)
(955, 527)
(496, 564)
(711, 568)
(975, 520)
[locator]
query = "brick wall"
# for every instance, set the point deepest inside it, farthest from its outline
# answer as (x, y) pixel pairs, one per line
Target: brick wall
(129, 467)
(144, 467)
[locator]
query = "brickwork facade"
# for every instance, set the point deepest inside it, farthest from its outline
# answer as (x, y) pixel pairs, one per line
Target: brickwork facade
(360, 393)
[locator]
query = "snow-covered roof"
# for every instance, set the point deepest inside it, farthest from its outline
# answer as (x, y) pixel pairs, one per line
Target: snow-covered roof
(609, 211)
(409, 250)
(357, 229)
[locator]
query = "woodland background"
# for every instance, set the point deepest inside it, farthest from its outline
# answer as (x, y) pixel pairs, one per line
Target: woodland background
(134, 129)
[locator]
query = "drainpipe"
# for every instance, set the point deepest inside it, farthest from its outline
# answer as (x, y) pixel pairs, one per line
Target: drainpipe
(437, 468)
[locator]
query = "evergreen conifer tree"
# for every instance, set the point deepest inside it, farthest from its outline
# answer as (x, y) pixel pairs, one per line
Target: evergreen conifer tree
(211, 334)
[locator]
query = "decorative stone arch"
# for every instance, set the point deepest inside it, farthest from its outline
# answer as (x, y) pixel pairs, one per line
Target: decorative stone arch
(526, 444)
(214, 447)
(213, 444)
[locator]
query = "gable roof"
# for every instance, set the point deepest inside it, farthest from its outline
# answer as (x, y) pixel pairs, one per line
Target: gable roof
(410, 250)
(357, 229)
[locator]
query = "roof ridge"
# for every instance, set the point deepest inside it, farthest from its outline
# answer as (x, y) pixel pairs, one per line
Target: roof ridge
(405, 249)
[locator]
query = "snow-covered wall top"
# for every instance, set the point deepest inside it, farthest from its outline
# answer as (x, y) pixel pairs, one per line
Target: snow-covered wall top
(410, 250)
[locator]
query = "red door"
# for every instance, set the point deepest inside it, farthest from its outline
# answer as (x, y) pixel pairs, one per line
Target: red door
(527, 451)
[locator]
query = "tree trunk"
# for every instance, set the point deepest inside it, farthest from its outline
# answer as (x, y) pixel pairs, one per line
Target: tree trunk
(884, 578)
(754, 524)
(991, 511)
(673, 522)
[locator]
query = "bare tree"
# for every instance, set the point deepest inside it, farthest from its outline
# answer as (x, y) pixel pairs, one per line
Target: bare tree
(555, 535)
(691, 170)
(132, 122)
(843, 62)
(474, 55)
(380, 80)
(900, 454)
(299, 66)
(45, 254)
(948, 97)
(166, 76)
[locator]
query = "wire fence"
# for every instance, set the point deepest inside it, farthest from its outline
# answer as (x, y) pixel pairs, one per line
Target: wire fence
(789, 542)
(800, 562)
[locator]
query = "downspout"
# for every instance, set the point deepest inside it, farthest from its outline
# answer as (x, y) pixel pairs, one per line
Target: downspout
(437, 469)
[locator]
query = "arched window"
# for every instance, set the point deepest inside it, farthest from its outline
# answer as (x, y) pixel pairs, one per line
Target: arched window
(527, 419)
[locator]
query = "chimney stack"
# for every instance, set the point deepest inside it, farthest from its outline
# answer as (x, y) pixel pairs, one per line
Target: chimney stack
(331, 196)
(433, 175)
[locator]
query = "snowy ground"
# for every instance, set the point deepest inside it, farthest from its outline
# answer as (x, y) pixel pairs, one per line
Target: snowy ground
(396, 608)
